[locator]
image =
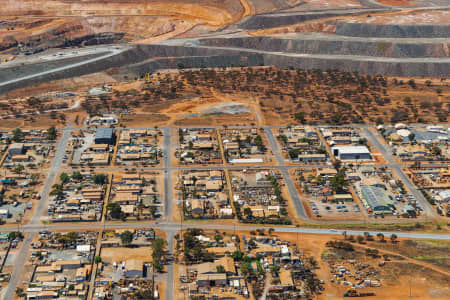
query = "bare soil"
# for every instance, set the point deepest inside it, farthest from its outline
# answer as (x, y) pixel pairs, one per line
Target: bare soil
(119, 254)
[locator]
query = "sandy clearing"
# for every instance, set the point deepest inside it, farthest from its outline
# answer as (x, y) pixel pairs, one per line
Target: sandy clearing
(118, 254)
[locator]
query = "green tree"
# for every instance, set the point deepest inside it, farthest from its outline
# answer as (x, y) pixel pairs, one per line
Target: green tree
(300, 116)
(436, 151)
(17, 135)
(15, 234)
(245, 268)
(259, 143)
(274, 269)
(115, 211)
(247, 211)
(57, 190)
(126, 237)
(220, 269)
(237, 255)
(158, 252)
(99, 179)
(218, 238)
(158, 248)
(34, 179)
(51, 133)
(64, 178)
(157, 265)
(338, 181)
(152, 210)
(294, 153)
(393, 238)
(283, 138)
(97, 259)
(18, 169)
(407, 100)
(19, 292)
(76, 175)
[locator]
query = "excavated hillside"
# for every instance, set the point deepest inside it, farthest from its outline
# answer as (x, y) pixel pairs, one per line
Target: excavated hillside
(32, 26)
(36, 35)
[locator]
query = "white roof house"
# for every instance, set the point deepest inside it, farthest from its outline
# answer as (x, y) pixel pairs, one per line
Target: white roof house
(445, 195)
(246, 161)
(84, 248)
(403, 132)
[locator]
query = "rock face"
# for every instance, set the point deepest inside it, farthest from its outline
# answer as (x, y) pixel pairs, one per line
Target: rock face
(393, 68)
(328, 44)
(264, 21)
(393, 31)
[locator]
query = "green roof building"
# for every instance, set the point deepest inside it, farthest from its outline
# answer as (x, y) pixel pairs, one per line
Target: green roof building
(376, 200)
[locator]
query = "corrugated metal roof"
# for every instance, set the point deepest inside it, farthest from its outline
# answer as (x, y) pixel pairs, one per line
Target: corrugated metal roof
(376, 197)
(104, 133)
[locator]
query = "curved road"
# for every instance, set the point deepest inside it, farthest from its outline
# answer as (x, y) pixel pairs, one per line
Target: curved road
(112, 51)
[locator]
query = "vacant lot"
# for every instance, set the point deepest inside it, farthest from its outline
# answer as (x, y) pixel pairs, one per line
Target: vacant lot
(119, 254)
(429, 251)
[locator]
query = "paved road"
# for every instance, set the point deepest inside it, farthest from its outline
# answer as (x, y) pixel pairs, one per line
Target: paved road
(20, 259)
(54, 170)
(108, 53)
(168, 197)
(238, 167)
(300, 210)
(170, 284)
(172, 227)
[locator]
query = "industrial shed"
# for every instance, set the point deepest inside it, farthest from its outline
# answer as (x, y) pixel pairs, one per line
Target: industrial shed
(377, 200)
(134, 268)
(104, 136)
(16, 149)
(352, 152)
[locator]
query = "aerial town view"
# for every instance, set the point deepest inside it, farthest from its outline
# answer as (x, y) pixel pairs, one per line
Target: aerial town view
(219, 150)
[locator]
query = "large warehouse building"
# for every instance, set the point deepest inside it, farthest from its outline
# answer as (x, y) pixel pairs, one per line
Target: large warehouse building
(104, 136)
(376, 200)
(352, 152)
